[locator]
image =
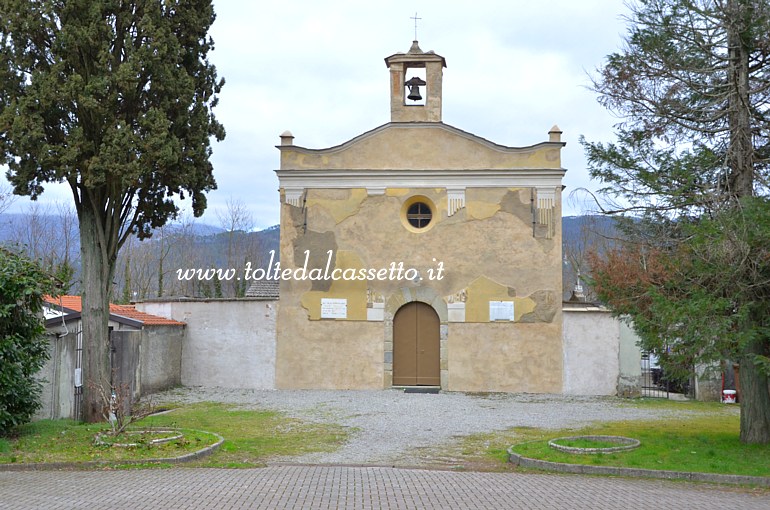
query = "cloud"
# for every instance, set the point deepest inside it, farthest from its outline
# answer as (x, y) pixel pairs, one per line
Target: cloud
(317, 69)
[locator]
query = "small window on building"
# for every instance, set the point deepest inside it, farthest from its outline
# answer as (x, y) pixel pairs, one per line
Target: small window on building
(419, 215)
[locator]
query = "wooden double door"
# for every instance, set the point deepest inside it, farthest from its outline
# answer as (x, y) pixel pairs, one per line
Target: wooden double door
(416, 346)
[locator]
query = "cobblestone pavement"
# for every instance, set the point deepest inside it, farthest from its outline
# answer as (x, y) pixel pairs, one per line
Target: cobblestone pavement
(321, 487)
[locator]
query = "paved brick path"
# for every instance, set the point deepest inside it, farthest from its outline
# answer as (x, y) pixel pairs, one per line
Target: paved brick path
(353, 487)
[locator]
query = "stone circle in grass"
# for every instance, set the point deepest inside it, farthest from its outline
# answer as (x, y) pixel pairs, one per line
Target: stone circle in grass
(593, 444)
(148, 436)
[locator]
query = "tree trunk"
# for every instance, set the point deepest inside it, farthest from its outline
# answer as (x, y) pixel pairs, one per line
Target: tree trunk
(740, 154)
(95, 301)
(755, 393)
(755, 399)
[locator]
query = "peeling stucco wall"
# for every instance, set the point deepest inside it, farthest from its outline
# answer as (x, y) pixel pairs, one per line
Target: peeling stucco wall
(344, 209)
(496, 255)
(488, 253)
(505, 357)
(327, 354)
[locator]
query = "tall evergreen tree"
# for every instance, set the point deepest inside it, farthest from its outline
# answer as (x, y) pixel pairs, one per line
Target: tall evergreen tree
(691, 161)
(115, 98)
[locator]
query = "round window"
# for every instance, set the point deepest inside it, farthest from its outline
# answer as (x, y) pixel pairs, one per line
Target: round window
(419, 215)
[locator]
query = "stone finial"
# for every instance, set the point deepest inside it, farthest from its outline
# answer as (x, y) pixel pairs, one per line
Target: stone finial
(415, 48)
(287, 138)
(554, 135)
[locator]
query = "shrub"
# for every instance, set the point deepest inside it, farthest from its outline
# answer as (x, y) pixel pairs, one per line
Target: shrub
(23, 345)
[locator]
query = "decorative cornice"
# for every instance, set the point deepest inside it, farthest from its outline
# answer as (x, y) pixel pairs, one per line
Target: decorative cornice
(451, 179)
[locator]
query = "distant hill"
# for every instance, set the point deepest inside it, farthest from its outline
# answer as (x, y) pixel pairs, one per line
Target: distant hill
(575, 228)
(11, 222)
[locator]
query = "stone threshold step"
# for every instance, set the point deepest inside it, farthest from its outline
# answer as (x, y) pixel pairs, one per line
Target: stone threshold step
(420, 389)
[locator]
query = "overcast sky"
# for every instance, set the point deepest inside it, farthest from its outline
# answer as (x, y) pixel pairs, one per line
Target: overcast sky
(316, 68)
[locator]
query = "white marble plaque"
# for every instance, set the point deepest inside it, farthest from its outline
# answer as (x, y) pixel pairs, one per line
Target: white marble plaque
(334, 308)
(501, 310)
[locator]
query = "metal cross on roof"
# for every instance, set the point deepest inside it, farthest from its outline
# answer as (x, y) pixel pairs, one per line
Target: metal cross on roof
(415, 18)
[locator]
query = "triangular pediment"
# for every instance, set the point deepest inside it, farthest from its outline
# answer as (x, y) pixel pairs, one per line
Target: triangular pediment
(420, 146)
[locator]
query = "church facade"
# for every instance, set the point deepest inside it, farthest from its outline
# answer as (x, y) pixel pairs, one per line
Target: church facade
(418, 254)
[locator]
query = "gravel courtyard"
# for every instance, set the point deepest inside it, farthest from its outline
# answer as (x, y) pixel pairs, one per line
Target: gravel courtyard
(390, 427)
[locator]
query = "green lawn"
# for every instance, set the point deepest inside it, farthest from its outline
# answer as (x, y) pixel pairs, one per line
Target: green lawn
(69, 441)
(698, 437)
(701, 437)
(251, 438)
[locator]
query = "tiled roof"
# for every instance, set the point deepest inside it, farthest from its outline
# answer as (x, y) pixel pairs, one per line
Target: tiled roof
(131, 312)
(128, 311)
(69, 302)
(263, 289)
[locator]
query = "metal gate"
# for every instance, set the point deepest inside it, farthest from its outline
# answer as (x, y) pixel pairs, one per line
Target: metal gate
(656, 382)
(653, 382)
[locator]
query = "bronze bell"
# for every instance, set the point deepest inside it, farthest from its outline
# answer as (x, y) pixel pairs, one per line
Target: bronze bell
(414, 93)
(414, 88)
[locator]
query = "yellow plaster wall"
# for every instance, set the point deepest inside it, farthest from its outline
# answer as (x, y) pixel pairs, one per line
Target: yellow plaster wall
(483, 203)
(495, 258)
(487, 248)
(483, 290)
(479, 210)
(339, 204)
(421, 147)
(352, 290)
(396, 192)
(321, 355)
(503, 357)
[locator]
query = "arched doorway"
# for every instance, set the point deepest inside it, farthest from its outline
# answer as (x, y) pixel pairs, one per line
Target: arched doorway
(416, 346)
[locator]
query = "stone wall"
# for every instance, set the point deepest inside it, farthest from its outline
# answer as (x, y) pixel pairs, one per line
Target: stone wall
(161, 358)
(600, 353)
(228, 343)
(630, 375)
